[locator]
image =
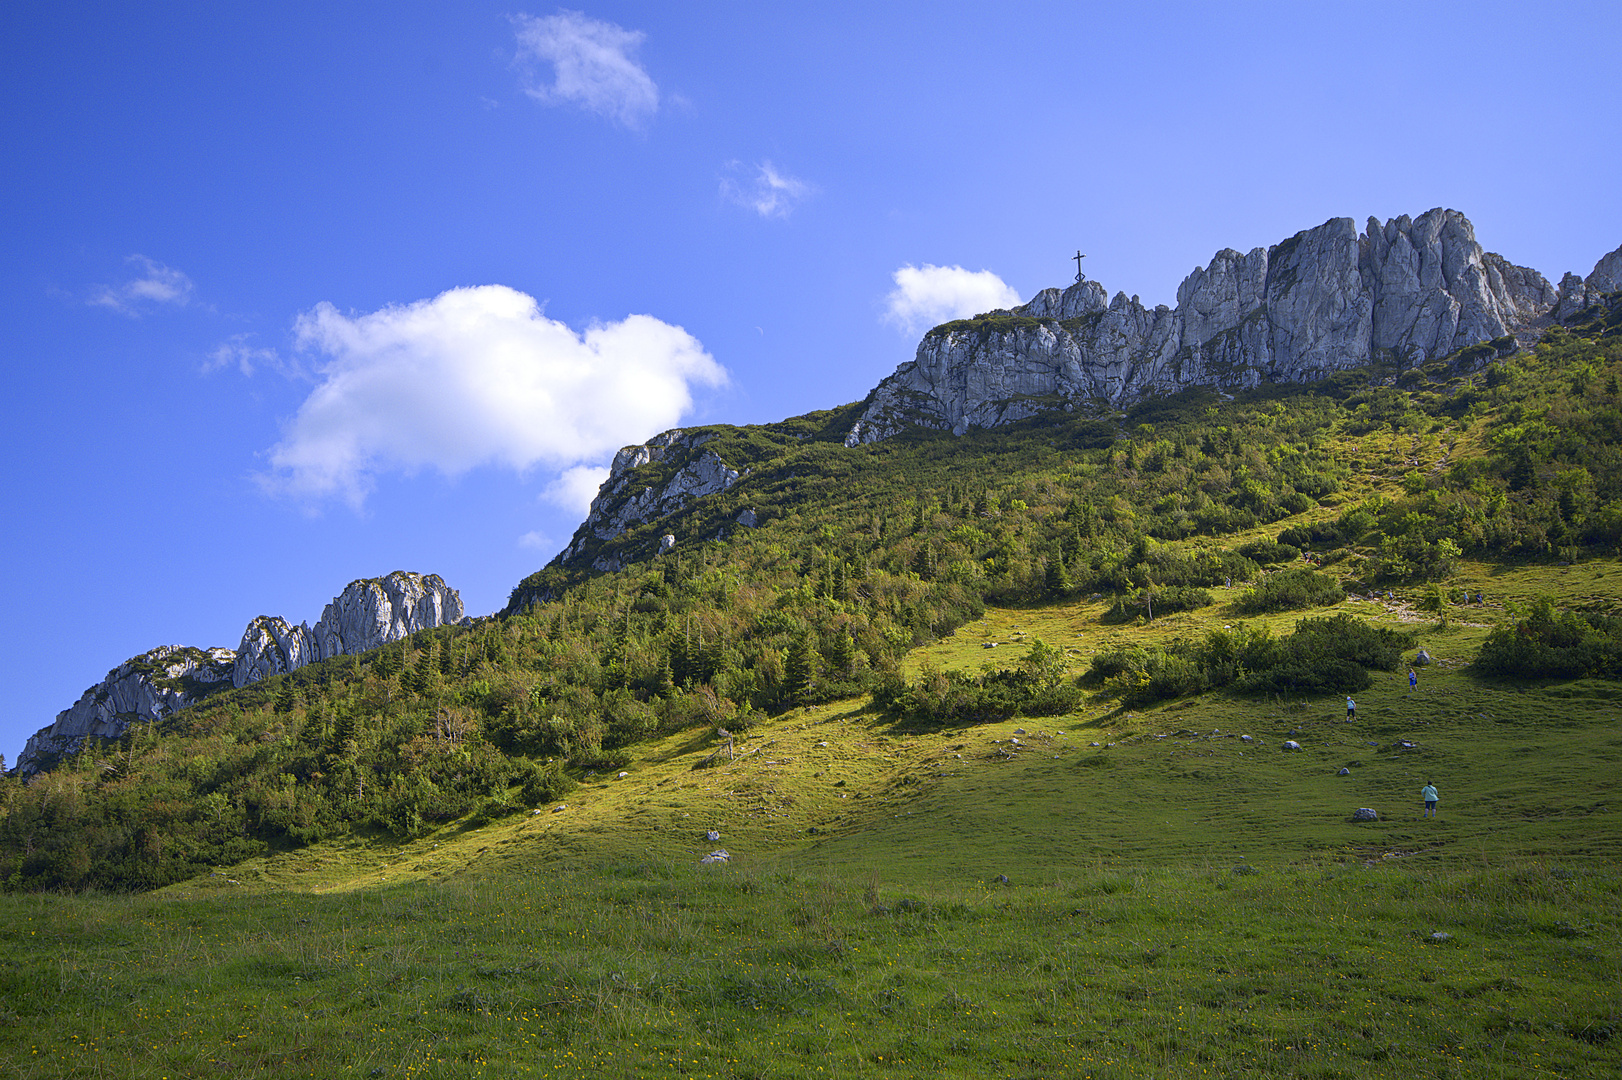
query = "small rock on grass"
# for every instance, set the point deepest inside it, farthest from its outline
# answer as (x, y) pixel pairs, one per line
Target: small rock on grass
(1363, 813)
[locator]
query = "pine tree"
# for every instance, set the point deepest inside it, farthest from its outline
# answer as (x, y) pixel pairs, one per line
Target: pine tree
(840, 651)
(799, 669)
(1058, 579)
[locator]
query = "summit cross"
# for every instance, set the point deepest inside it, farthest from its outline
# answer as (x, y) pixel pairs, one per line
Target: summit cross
(1078, 256)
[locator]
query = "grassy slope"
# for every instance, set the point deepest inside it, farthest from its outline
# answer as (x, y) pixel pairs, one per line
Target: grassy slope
(588, 941)
(1179, 902)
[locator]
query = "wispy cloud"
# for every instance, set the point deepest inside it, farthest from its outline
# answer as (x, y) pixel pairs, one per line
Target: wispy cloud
(928, 295)
(769, 191)
(592, 65)
(479, 376)
(536, 541)
(155, 285)
(240, 352)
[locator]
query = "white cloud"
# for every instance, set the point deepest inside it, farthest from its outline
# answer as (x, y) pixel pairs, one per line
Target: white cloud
(536, 541)
(157, 284)
(929, 295)
(576, 487)
(478, 376)
(769, 192)
(592, 66)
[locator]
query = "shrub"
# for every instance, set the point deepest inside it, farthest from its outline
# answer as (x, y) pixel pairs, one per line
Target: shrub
(1546, 643)
(1266, 552)
(1161, 601)
(1287, 590)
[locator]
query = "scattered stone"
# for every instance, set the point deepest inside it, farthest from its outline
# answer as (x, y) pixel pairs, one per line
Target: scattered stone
(1001, 879)
(560, 807)
(1441, 935)
(1344, 772)
(1019, 731)
(1363, 813)
(1092, 744)
(747, 518)
(1404, 744)
(666, 543)
(1242, 738)
(822, 746)
(535, 811)
(712, 836)
(1291, 744)
(718, 856)
(1421, 658)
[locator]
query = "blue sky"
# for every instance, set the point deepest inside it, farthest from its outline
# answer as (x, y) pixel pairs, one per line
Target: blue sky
(303, 292)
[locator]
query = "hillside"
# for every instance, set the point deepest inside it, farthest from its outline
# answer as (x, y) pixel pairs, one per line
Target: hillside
(1388, 480)
(962, 902)
(1009, 789)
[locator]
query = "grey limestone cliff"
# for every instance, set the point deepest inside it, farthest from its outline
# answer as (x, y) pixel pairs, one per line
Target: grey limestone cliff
(144, 688)
(629, 498)
(1325, 300)
(369, 613)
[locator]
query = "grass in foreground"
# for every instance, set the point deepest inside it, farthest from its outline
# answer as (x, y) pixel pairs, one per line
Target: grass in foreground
(662, 969)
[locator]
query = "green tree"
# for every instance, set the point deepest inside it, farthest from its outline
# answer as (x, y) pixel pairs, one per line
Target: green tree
(799, 667)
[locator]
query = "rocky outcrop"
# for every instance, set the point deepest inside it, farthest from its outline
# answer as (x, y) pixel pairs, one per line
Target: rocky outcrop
(144, 688)
(1577, 294)
(1325, 300)
(369, 613)
(630, 497)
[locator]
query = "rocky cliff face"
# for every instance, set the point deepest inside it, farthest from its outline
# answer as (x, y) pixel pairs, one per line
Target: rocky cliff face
(145, 688)
(1325, 300)
(630, 497)
(369, 613)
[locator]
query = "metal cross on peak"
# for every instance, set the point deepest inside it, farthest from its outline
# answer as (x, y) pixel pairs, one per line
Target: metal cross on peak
(1078, 256)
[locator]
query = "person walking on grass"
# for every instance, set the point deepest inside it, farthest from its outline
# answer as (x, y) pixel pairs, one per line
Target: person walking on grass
(1413, 681)
(1351, 708)
(1428, 793)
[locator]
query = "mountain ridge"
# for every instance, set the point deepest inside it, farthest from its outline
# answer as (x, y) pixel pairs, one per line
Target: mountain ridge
(159, 682)
(1325, 300)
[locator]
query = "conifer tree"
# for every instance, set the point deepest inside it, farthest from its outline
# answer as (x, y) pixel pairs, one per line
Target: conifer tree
(799, 668)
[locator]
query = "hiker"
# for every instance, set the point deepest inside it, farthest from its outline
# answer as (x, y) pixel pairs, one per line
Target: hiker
(1351, 708)
(1413, 681)
(1428, 793)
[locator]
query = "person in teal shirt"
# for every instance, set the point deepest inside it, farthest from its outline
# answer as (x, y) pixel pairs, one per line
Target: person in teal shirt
(1428, 793)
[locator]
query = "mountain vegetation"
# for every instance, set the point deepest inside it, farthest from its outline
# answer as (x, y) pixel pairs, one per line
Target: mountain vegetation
(1028, 747)
(1299, 495)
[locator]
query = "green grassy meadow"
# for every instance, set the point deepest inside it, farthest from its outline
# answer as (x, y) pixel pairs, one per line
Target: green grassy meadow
(1179, 902)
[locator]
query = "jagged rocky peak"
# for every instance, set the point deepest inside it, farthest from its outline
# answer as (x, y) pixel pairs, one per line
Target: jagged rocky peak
(368, 613)
(1325, 300)
(629, 498)
(143, 688)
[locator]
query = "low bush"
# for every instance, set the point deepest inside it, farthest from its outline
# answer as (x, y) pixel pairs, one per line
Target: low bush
(1546, 643)
(1333, 654)
(1289, 590)
(1267, 552)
